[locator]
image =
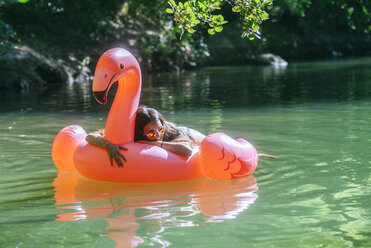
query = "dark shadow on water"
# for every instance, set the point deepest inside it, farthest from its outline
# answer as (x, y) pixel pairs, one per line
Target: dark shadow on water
(217, 87)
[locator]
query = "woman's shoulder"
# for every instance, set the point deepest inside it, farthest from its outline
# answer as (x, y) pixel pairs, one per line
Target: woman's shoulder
(184, 129)
(98, 132)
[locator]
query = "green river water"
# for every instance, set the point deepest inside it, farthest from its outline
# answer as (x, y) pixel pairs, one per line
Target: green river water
(315, 117)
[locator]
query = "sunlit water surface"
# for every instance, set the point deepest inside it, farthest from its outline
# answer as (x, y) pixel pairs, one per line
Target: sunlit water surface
(315, 117)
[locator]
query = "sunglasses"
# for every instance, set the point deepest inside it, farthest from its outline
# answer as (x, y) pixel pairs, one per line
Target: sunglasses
(153, 134)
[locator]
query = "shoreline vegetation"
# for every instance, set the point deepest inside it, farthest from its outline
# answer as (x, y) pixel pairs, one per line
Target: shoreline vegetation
(56, 42)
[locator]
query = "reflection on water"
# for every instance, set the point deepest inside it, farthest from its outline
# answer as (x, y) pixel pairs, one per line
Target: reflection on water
(162, 205)
(217, 88)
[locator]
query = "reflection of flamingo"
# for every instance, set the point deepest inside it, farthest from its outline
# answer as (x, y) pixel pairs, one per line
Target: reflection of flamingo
(125, 207)
(219, 155)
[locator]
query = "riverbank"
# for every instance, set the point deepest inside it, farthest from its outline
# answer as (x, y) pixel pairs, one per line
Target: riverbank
(24, 69)
(66, 47)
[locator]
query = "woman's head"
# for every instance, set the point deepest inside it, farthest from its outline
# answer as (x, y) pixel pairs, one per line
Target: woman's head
(151, 125)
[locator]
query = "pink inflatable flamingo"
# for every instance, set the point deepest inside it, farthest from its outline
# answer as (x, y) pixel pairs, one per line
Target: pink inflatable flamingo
(218, 156)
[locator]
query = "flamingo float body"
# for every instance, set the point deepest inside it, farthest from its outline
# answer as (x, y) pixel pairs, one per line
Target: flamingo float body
(218, 155)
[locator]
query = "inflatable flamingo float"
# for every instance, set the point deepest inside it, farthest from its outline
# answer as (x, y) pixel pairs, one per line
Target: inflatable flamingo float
(218, 156)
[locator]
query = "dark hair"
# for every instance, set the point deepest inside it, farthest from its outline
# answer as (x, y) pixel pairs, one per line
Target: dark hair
(145, 115)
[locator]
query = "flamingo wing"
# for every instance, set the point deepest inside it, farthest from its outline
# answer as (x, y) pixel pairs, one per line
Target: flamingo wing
(225, 158)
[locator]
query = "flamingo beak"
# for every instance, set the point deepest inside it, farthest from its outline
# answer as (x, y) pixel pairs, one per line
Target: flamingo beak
(101, 85)
(109, 69)
(101, 96)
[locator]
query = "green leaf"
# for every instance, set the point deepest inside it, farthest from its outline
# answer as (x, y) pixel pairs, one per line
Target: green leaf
(172, 2)
(194, 22)
(211, 31)
(189, 10)
(264, 16)
(169, 11)
(202, 6)
(219, 29)
(236, 9)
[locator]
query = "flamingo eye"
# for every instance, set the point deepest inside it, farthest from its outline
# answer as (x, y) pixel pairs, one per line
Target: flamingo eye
(105, 76)
(122, 65)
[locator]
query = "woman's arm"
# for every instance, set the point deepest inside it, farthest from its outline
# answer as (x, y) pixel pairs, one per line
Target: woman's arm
(113, 151)
(196, 136)
(181, 148)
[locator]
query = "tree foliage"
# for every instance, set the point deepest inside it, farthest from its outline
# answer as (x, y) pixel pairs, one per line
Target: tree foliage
(7, 33)
(152, 28)
(318, 29)
(189, 14)
(355, 14)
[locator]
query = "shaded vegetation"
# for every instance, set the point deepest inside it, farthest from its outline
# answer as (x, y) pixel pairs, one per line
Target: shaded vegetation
(73, 34)
(319, 29)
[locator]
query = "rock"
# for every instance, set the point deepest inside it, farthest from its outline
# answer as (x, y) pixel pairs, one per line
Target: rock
(24, 69)
(271, 59)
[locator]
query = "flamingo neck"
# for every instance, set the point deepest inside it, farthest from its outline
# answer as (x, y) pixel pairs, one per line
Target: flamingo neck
(120, 124)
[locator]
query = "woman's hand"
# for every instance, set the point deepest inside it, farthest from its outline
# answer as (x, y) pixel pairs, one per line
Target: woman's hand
(113, 151)
(114, 154)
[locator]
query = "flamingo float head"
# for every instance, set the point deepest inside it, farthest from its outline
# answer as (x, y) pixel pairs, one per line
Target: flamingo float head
(117, 64)
(111, 67)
